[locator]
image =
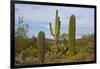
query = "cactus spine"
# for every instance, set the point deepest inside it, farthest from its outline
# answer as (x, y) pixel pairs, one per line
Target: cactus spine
(56, 32)
(71, 35)
(41, 46)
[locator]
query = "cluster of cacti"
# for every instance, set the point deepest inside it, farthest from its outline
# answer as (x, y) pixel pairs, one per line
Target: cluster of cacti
(56, 32)
(71, 35)
(41, 47)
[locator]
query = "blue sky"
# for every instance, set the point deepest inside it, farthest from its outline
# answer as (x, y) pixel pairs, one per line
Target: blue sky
(39, 16)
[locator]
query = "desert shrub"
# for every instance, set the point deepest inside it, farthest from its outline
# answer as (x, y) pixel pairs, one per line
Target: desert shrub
(29, 52)
(20, 44)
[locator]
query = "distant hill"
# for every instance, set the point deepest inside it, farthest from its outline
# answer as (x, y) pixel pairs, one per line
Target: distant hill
(49, 40)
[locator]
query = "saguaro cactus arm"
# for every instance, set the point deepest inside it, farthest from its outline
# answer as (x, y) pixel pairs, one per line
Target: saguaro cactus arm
(51, 31)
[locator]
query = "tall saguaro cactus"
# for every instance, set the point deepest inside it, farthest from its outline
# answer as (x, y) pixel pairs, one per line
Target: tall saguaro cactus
(41, 46)
(71, 35)
(56, 32)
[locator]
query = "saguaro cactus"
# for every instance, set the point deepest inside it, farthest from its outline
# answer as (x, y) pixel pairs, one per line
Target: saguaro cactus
(71, 35)
(41, 46)
(56, 32)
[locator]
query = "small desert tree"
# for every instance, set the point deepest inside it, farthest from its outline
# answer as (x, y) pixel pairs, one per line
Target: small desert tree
(20, 35)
